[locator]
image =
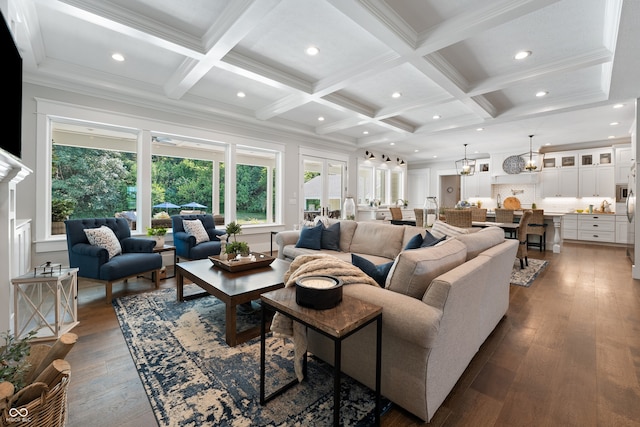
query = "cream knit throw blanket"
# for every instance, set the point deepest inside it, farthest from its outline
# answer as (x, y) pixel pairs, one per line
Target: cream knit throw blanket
(312, 265)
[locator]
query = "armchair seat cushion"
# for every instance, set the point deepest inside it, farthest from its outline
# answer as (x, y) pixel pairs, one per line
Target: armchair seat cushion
(205, 249)
(129, 264)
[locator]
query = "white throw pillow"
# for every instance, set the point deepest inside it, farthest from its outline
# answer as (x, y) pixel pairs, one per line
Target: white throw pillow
(196, 229)
(441, 229)
(105, 238)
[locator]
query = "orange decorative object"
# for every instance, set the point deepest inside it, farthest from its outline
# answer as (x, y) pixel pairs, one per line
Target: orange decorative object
(512, 203)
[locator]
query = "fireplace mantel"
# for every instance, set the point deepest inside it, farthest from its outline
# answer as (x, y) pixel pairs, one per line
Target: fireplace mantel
(12, 172)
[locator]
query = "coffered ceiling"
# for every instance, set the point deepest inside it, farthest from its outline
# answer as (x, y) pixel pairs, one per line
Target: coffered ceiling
(452, 62)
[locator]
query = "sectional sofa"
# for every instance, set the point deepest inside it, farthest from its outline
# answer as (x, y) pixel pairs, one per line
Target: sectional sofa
(439, 304)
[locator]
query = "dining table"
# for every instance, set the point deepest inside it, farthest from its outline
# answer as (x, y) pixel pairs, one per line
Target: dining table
(510, 227)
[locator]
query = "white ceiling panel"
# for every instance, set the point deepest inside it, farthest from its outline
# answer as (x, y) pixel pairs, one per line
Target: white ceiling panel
(449, 58)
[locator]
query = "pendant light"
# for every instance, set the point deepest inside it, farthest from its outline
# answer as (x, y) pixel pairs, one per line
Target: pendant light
(530, 164)
(466, 167)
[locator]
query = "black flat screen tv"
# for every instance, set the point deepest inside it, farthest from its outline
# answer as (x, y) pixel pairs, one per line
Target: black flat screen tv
(11, 140)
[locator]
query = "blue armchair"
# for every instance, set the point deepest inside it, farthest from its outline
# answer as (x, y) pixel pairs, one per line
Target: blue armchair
(185, 244)
(137, 255)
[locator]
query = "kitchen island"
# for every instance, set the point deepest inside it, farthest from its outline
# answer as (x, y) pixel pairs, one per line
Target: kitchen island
(552, 219)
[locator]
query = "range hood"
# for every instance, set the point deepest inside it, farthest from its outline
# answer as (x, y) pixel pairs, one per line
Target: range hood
(521, 178)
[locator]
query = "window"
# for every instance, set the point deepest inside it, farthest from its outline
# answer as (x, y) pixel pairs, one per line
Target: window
(324, 183)
(182, 174)
(93, 174)
(379, 183)
(256, 185)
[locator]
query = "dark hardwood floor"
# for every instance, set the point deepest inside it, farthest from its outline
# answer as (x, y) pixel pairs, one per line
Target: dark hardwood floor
(566, 354)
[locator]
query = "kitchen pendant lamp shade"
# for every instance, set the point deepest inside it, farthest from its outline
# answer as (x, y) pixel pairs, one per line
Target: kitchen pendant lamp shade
(531, 158)
(465, 166)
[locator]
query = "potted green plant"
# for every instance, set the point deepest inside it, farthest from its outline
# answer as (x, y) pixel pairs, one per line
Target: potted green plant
(157, 233)
(60, 211)
(14, 364)
(235, 247)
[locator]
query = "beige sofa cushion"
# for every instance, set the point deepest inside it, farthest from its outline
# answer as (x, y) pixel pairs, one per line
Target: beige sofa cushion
(377, 239)
(413, 270)
(347, 228)
(482, 240)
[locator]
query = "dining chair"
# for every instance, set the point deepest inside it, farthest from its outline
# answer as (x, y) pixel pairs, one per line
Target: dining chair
(478, 214)
(419, 213)
(522, 253)
(458, 217)
(396, 213)
(506, 216)
(537, 227)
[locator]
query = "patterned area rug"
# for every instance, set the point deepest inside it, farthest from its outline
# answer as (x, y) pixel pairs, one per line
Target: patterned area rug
(526, 276)
(193, 378)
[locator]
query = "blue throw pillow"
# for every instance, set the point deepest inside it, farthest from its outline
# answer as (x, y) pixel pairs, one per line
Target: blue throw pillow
(378, 273)
(431, 240)
(415, 242)
(310, 237)
(331, 237)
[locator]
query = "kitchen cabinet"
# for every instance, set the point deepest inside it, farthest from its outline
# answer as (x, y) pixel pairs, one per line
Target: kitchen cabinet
(623, 164)
(597, 181)
(596, 157)
(596, 173)
(559, 182)
(570, 227)
(622, 224)
(560, 174)
(479, 184)
(560, 160)
(597, 228)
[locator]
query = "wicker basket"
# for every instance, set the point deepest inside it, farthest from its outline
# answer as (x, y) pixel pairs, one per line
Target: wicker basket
(49, 410)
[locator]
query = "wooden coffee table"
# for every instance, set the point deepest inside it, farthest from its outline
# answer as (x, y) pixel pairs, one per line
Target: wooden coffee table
(231, 288)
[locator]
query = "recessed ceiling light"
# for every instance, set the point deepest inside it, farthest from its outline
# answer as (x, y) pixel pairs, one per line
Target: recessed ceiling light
(436, 117)
(548, 143)
(542, 93)
(479, 129)
(618, 106)
(416, 150)
(321, 119)
(614, 124)
(366, 132)
(435, 156)
(611, 137)
(117, 57)
(241, 94)
(522, 54)
(312, 51)
(392, 143)
(396, 95)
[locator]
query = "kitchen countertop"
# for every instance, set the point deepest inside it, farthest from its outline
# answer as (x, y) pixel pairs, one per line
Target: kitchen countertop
(548, 215)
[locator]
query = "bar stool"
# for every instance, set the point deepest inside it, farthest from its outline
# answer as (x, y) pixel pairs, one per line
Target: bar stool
(537, 227)
(506, 216)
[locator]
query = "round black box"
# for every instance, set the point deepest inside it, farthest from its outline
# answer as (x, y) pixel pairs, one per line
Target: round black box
(318, 292)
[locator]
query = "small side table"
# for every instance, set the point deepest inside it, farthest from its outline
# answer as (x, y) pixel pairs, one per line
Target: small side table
(47, 303)
(167, 248)
(337, 323)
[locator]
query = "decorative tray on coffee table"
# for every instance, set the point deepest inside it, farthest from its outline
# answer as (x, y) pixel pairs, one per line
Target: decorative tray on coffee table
(255, 260)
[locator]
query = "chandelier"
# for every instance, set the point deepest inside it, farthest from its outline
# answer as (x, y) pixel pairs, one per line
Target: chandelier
(466, 167)
(530, 164)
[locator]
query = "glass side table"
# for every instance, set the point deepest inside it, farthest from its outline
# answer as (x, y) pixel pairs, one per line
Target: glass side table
(46, 303)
